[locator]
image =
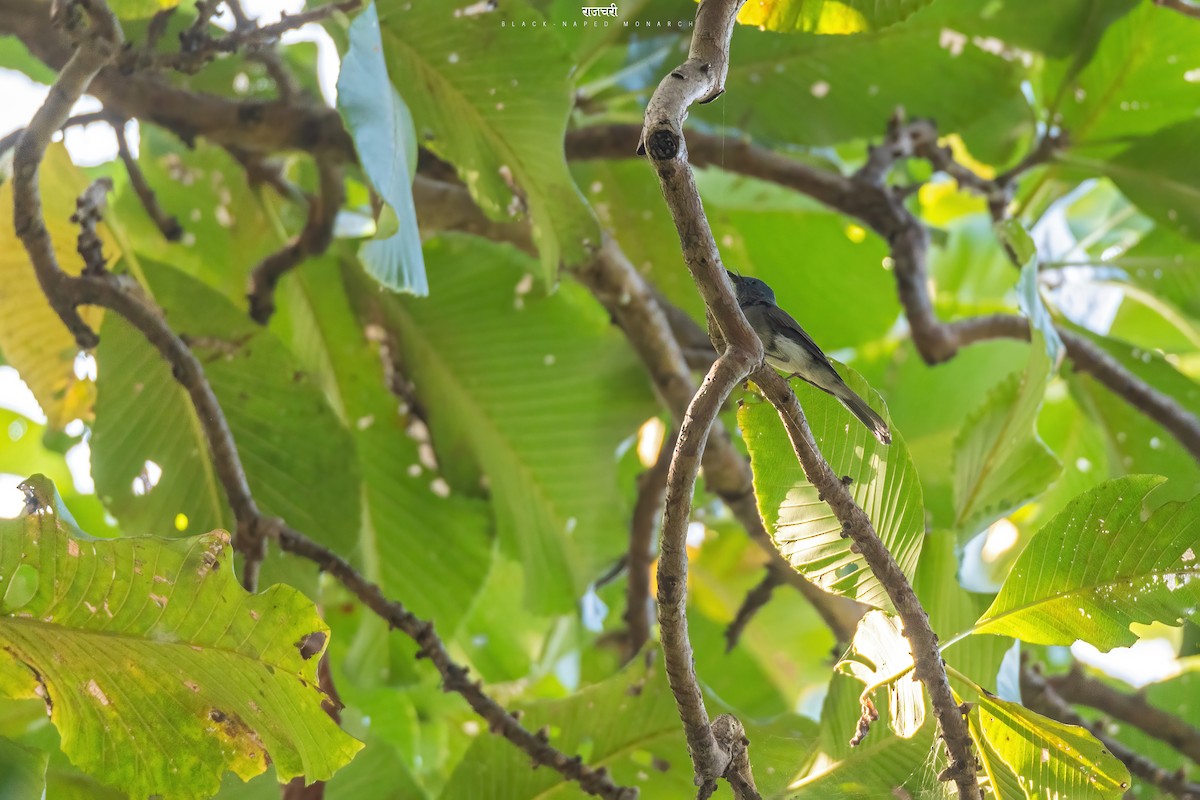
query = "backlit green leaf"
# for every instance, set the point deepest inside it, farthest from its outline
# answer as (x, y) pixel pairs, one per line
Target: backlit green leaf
(1106, 561)
(1046, 758)
(999, 460)
(884, 483)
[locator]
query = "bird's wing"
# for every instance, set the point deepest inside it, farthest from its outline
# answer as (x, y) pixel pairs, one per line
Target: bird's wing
(782, 321)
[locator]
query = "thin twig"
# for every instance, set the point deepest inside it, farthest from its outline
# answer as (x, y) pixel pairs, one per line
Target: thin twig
(313, 240)
(197, 47)
(89, 210)
(454, 676)
(652, 487)
(1078, 687)
(1042, 698)
(166, 223)
(755, 599)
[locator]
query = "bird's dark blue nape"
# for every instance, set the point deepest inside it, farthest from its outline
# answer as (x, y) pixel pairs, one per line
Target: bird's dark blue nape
(750, 290)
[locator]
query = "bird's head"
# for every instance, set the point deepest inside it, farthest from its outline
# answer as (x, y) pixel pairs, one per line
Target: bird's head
(751, 291)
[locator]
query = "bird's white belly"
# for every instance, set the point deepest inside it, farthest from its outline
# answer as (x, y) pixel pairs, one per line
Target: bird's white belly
(790, 357)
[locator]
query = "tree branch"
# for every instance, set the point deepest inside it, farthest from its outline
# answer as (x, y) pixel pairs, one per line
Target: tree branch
(652, 487)
(313, 240)
(927, 659)
(700, 78)
(1078, 687)
(454, 676)
(881, 208)
(251, 125)
(755, 599)
(1042, 698)
(166, 223)
(95, 286)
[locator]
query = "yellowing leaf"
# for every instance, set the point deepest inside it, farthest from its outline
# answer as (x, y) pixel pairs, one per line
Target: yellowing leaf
(32, 337)
(158, 670)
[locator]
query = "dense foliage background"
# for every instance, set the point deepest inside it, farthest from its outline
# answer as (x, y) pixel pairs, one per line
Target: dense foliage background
(442, 398)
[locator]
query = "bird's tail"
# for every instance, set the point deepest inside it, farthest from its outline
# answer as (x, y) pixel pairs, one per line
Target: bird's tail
(859, 408)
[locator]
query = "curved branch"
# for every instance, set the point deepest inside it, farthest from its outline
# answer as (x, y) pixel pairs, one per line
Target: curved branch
(880, 208)
(652, 487)
(700, 78)
(313, 240)
(927, 658)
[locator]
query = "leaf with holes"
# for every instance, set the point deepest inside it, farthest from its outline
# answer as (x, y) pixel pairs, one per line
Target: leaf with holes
(32, 337)
(402, 501)
(1104, 562)
(491, 94)
(534, 393)
(883, 482)
(158, 670)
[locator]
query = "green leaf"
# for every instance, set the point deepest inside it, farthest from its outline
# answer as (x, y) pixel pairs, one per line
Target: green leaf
(493, 98)
(952, 608)
(535, 391)
(1134, 84)
(1101, 564)
(999, 459)
(1167, 265)
(930, 429)
(149, 454)
(22, 771)
(881, 764)
(1159, 174)
(158, 670)
(878, 654)
(884, 484)
(822, 16)
(32, 337)
(1046, 758)
(401, 510)
(383, 134)
(1135, 442)
(817, 90)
